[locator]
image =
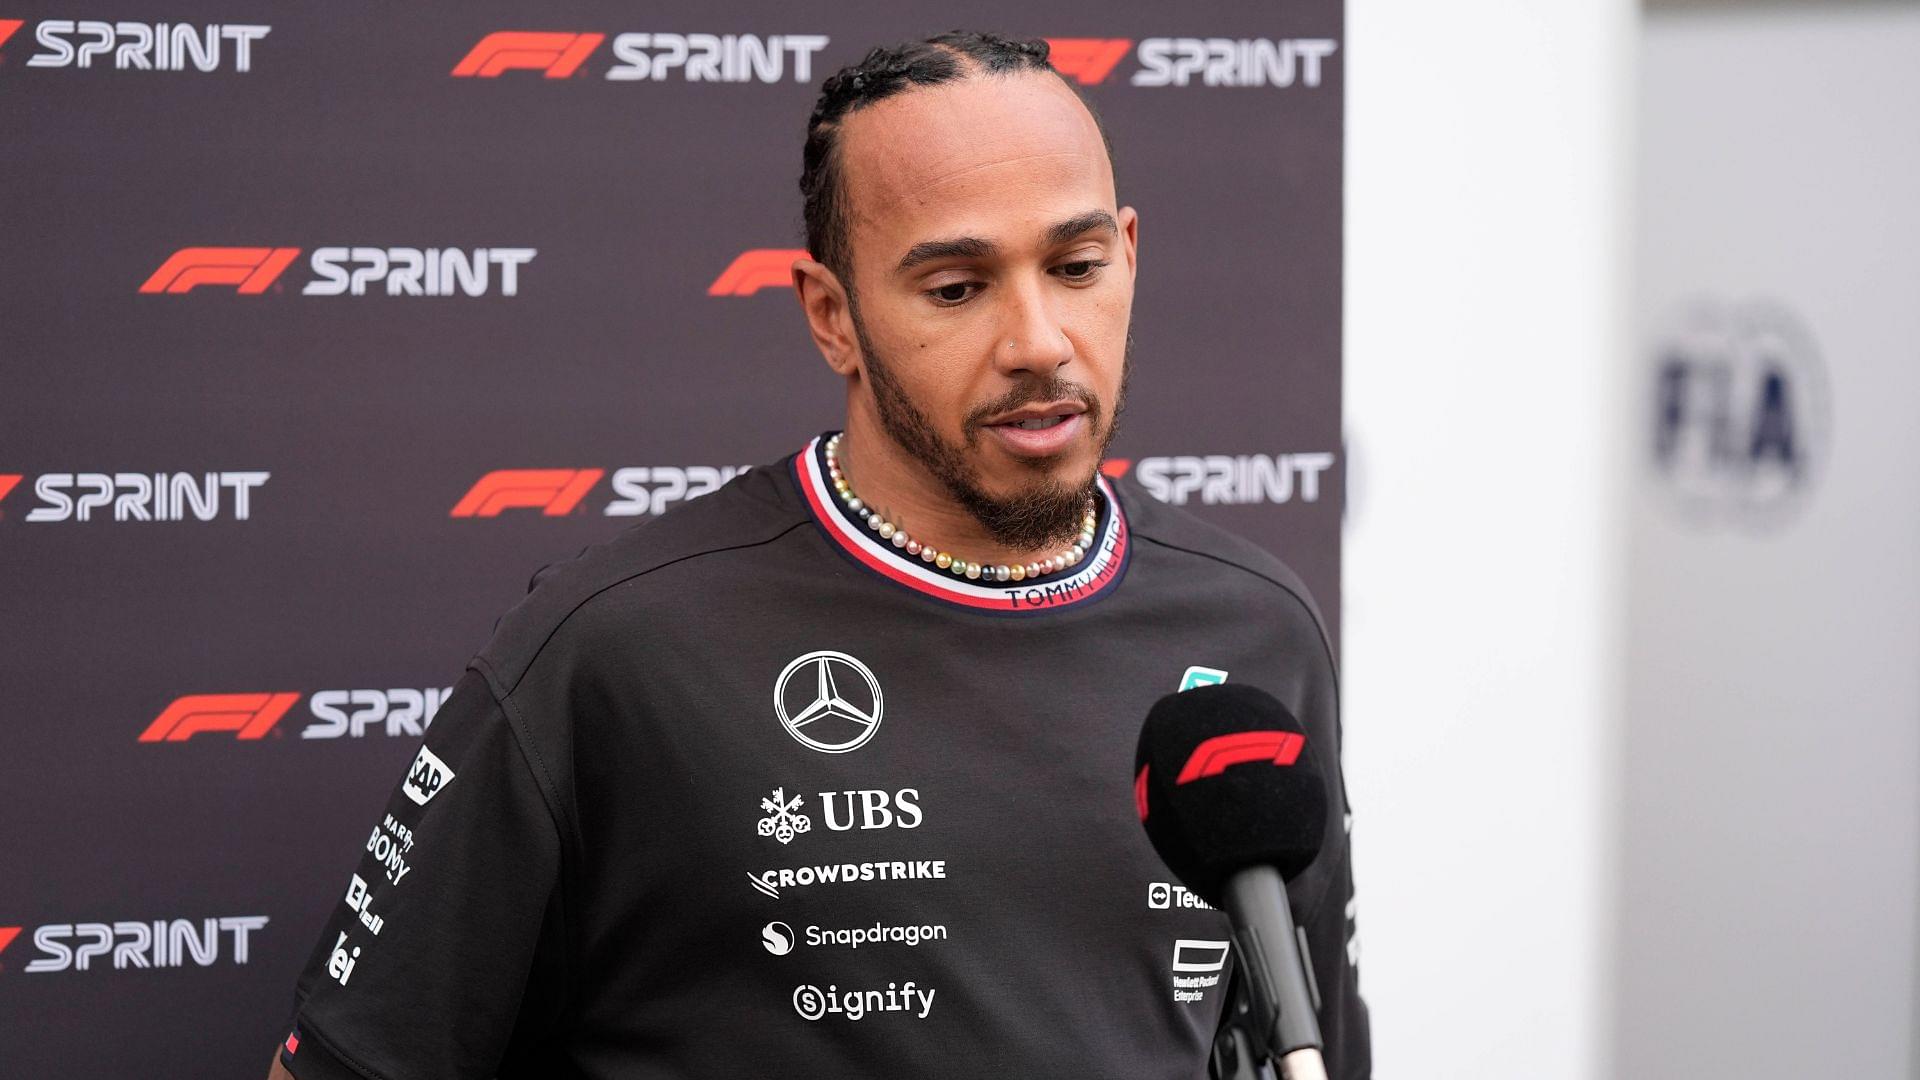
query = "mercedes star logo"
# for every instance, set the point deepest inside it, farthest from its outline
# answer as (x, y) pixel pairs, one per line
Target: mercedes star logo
(830, 721)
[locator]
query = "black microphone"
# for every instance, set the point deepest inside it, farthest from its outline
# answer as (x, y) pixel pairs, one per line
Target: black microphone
(1231, 797)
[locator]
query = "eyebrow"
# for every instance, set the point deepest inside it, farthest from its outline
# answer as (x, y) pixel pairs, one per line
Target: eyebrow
(973, 247)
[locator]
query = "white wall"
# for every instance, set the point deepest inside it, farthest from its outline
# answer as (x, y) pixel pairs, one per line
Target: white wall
(1773, 764)
(1486, 171)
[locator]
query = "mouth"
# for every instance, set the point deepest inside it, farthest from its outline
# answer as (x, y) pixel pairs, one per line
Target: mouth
(1039, 430)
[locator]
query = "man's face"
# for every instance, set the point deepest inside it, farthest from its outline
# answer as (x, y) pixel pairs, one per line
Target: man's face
(992, 290)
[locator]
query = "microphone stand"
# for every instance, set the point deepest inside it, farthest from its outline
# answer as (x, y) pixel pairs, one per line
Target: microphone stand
(1274, 1019)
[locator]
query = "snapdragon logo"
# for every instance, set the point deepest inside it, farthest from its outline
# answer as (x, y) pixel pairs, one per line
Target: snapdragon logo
(814, 1004)
(778, 938)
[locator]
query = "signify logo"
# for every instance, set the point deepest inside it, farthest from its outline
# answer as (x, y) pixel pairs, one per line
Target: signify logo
(812, 1003)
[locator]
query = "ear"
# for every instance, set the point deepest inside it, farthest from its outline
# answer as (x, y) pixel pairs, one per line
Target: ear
(824, 301)
(1130, 236)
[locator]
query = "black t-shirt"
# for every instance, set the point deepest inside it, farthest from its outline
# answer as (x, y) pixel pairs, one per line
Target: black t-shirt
(748, 791)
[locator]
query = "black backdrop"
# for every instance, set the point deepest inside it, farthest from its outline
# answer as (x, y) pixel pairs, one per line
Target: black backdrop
(201, 714)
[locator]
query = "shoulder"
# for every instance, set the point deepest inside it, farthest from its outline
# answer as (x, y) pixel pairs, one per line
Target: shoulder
(1206, 548)
(755, 508)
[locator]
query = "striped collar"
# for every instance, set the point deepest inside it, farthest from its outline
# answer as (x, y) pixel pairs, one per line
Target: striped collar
(1094, 577)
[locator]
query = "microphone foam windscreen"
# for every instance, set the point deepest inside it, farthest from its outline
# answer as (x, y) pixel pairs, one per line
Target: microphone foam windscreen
(1224, 779)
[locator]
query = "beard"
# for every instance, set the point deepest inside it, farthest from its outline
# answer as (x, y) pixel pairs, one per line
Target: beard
(1043, 511)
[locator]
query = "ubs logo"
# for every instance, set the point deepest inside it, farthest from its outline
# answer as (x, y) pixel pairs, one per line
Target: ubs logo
(828, 701)
(1739, 411)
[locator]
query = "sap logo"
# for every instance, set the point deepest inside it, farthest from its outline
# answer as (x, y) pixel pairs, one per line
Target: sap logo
(427, 777)
(346, 271)
(138, 46)
(129, 496)
(350, 713)
(876, 809)
(1208, 61)
(1162, 896)
(650, 489)
(1740, 412)
(727, 58)
(1222, 480)
(407, 271)
(162, 943)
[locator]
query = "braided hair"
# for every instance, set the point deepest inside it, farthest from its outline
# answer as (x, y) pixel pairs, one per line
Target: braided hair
(882, 73)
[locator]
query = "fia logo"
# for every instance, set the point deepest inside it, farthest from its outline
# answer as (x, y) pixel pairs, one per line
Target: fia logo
(828, 701)
(426, 777)
(1739, 411)
(782, 822)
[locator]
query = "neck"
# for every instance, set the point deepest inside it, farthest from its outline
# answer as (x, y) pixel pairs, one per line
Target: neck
(902, 491)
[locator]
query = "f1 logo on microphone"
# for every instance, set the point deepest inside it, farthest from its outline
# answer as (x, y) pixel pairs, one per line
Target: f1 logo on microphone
(1216, 755)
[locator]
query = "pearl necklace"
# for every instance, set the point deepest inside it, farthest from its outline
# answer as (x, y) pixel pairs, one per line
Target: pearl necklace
(972, 571)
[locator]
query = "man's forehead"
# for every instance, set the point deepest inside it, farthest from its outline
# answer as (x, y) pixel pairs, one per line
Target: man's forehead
(973, 143)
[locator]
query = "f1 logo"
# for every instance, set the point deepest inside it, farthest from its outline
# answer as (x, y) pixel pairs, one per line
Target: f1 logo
(555, 491)
(250, 268)
(760, 268)
(1086, 60)
(1216, 755)
(248, 716)
(557, 54)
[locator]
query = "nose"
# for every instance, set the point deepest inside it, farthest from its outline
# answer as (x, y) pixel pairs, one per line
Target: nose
(1032, 340)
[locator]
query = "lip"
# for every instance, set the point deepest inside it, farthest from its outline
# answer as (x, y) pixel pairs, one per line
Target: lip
(1043, 443)
(1039, 412)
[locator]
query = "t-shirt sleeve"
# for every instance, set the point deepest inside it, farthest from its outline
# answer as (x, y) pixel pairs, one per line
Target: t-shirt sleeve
(1332, 926)
(442, 957)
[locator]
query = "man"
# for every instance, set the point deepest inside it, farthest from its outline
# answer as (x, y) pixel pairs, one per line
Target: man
(827, 774)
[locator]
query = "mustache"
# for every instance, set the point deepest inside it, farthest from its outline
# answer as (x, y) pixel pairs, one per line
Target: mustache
(1037, 391)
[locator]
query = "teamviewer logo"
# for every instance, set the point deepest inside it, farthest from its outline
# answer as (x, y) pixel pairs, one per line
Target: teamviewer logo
(1159, 896)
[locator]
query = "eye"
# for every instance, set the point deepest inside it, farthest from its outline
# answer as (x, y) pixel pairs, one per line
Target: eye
(1081, 269)
(953, 293)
